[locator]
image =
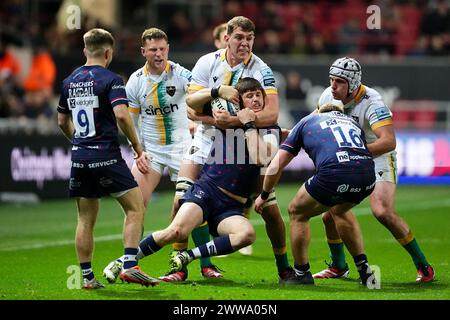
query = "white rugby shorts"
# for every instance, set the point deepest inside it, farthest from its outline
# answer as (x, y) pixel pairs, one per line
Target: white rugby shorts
(169, 156)
(386, 167)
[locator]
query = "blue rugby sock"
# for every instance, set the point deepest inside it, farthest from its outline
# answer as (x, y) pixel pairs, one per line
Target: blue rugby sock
(86, 270)
(147, 246)
(129, 258)
(216, 247)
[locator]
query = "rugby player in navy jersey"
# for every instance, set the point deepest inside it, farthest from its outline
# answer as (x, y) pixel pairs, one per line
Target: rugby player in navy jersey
(367, 107)
(228, 178)
(344, 177)
(92, 103)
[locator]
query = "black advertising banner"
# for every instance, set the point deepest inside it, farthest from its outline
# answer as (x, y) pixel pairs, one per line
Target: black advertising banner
(34, 167)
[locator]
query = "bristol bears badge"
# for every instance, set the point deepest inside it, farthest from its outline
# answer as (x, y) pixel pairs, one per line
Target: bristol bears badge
(170, 90)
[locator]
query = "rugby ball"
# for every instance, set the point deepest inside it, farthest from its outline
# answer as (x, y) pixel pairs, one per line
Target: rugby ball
(222, 104)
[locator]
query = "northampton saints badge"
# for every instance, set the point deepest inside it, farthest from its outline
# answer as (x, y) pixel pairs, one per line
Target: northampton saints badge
(170, 90)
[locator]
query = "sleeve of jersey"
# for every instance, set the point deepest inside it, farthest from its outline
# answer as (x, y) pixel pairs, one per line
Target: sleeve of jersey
(293, 142)
(186, 75)
(117, 94)
(200, 75)
(267, 79)
(379, 115)
(62, 104)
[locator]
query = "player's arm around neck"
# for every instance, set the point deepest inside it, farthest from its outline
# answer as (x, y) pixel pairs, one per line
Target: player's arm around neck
(199, 117)
(268, 116)
(197, 99)
(385, 141)
(66, 125)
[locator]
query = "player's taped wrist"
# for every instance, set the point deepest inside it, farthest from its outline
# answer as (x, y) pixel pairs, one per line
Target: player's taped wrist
(265, 195)
(249, 125)
(215, 92)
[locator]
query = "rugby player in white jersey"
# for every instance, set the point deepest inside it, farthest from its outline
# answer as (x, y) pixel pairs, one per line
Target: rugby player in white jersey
(157, 93)
(367, 107)
(213, 76)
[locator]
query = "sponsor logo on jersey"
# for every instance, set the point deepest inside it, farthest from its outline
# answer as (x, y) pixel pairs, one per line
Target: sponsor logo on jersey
(382, 113)
(342, 156)
(268, 78)
(83, 102)
(152, 111)
(171, 90)
(215, 78)
(193, 149)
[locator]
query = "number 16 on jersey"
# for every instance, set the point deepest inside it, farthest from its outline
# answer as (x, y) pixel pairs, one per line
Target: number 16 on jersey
(83, 115)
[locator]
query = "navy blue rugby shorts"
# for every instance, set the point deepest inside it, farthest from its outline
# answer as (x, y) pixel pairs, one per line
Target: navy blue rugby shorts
(333, 187)
(95, 179)
(215, 204)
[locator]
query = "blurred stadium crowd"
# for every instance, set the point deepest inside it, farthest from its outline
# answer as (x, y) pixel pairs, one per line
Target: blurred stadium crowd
(33, 33)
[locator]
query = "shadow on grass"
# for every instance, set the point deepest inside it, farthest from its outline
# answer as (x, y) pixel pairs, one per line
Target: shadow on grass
(135, 292)
(329, 286)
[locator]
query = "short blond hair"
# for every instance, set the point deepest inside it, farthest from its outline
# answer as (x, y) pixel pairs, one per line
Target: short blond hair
(328, 107)
(153, 33)
(96, 40)
(242, 22)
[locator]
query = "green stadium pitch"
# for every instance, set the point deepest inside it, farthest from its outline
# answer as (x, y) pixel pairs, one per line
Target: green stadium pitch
(38, 259)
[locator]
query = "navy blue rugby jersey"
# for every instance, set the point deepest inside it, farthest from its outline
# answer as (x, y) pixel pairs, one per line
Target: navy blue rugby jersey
(229, 165)
(90, 93)
(332, 140)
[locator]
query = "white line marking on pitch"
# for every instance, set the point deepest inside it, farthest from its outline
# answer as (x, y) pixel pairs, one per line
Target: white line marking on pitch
(360, 211)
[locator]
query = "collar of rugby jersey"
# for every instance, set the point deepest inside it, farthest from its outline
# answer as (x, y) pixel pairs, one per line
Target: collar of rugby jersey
(359, 95)
(166, 69)
(223, 56)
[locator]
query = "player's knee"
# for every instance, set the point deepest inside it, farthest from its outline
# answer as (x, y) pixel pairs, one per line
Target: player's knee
(296, 214)
(86, 224)
(247, 237)
(293, 210)
(177, 233)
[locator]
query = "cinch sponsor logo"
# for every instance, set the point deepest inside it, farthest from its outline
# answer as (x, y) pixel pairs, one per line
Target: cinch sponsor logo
(152, 111)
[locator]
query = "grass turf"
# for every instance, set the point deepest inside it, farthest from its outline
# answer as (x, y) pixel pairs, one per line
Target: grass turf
(37, 250)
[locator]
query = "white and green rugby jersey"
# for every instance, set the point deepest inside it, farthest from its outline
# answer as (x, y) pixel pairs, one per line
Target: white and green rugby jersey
(160, 101)
(367, 108)
(212, 70)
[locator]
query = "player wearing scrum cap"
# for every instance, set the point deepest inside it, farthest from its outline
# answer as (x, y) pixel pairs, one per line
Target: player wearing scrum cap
(367, 107)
